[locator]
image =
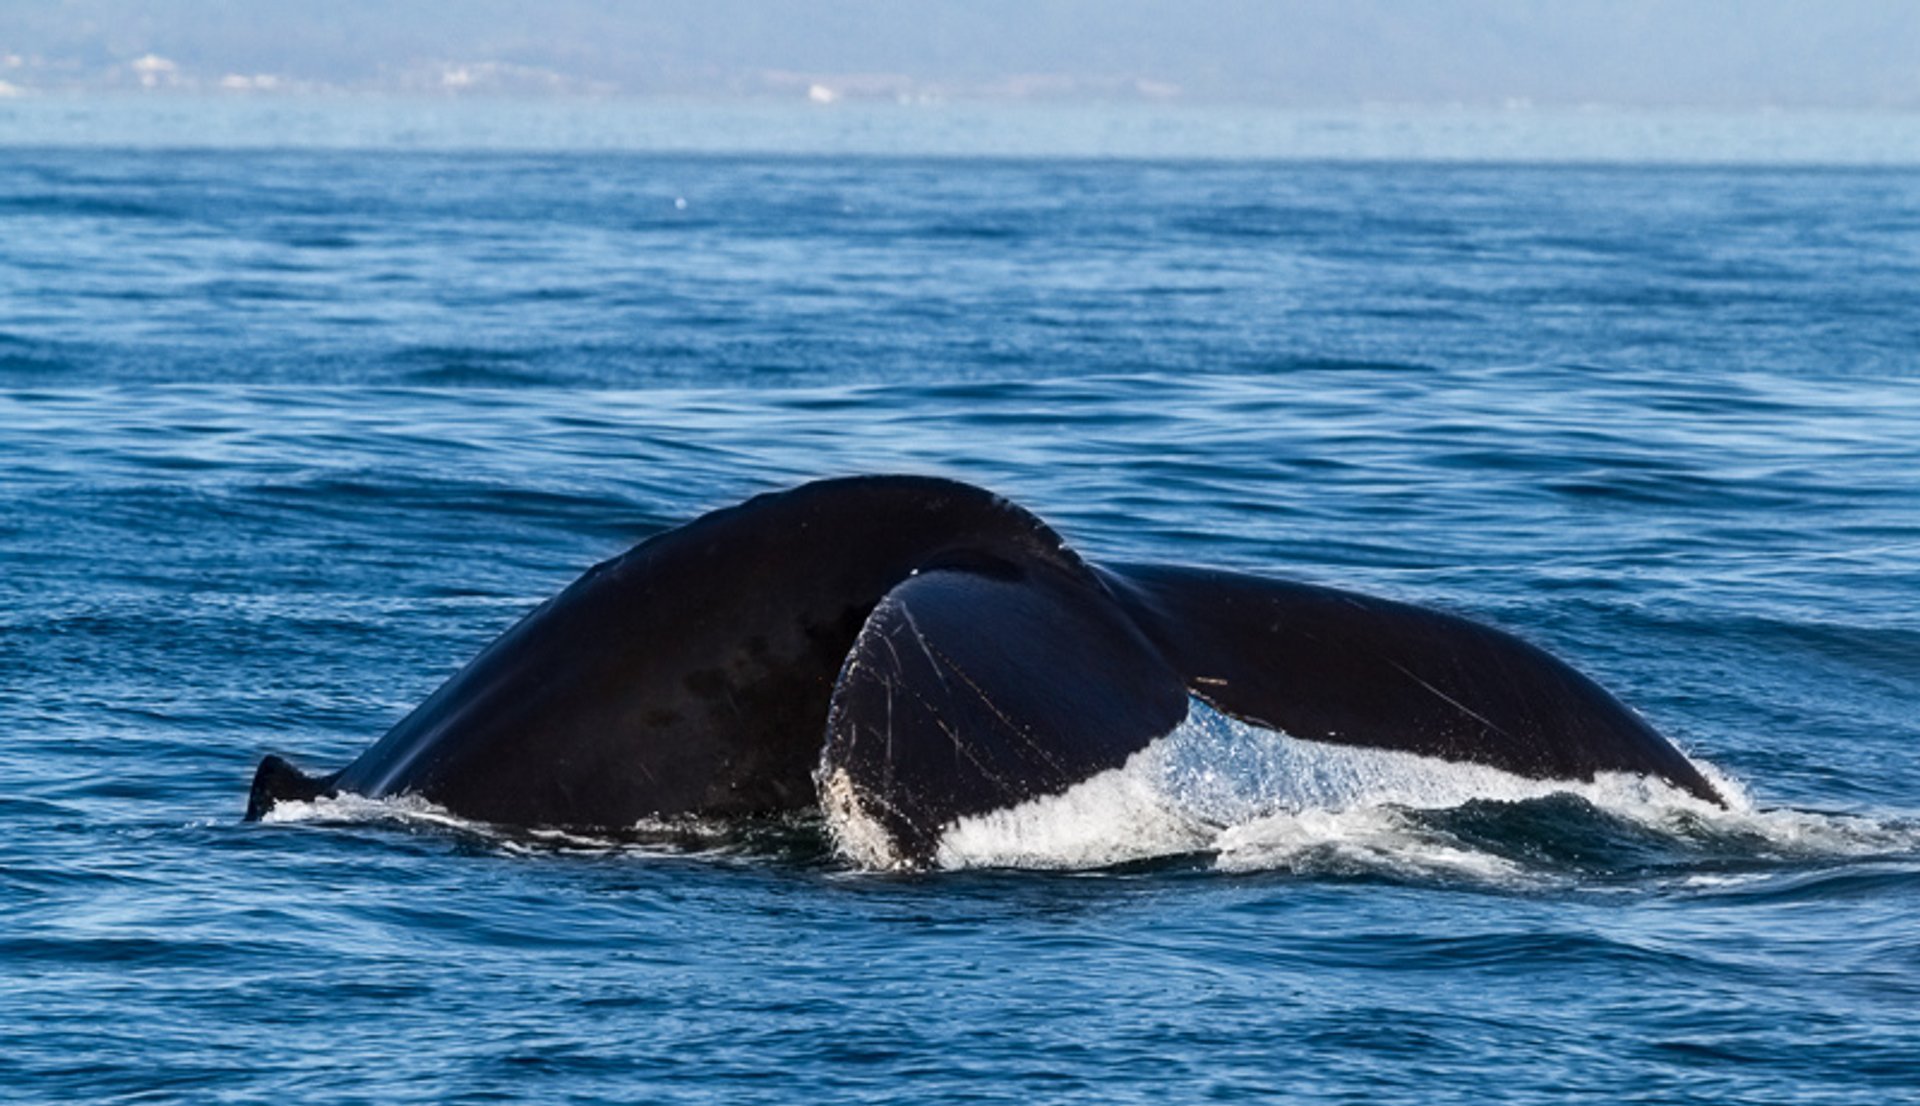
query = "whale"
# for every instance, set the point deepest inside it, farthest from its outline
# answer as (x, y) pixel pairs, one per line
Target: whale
(903, 652)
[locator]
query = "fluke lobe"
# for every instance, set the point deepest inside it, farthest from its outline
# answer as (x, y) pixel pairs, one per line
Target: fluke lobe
(906, 651)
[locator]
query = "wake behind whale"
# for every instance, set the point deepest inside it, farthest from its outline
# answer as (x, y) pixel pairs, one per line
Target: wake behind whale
(923, 661)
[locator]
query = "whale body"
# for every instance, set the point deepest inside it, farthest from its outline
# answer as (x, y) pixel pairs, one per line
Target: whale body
(908, 651)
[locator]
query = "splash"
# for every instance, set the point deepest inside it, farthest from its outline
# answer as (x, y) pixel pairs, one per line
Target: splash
(1247, 799)
(1252, 799)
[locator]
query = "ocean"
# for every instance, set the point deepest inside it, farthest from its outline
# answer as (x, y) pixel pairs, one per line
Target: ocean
(300, 408)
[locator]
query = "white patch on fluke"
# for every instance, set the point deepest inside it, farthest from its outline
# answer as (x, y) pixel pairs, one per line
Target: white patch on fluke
(855, 832)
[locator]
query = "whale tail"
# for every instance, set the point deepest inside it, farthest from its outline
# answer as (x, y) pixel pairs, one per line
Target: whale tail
(277, 781)
(962, 659)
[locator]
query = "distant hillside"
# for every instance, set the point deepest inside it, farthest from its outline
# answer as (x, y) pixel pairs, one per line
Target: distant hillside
(1709, 53)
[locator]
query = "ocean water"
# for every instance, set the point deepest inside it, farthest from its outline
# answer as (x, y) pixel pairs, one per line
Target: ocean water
(289, 431)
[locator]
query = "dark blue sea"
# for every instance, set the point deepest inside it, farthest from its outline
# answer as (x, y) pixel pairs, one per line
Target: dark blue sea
(288, 432)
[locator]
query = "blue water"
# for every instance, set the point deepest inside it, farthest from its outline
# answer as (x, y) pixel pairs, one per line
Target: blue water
(285, 436)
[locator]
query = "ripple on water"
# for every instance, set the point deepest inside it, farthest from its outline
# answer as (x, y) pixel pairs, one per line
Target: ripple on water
(286, 436)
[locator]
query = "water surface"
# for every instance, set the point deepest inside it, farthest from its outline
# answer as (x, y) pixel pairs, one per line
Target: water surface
(286, 435)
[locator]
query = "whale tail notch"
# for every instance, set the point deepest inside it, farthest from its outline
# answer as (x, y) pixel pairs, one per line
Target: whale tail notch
(277, 781)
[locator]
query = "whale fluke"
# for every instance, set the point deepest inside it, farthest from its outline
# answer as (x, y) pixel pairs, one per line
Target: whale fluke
(1322, 664)
(908, 651)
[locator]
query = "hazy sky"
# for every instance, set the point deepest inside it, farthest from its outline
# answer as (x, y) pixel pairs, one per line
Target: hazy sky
(1709, 53)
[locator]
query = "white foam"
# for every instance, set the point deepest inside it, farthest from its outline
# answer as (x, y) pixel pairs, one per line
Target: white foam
(1260, 800)
(671, 836)
(1378, 839)
(406, 809)
(1117, 816)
